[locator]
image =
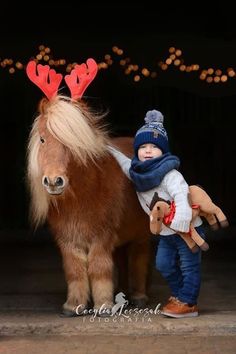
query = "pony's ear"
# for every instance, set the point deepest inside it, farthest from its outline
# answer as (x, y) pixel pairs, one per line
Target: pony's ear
(42, 105)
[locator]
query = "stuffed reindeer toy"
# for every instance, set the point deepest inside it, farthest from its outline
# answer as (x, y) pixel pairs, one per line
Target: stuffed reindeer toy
(163, 211)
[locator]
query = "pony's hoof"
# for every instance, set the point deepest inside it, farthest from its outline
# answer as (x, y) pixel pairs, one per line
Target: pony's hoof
(106, 312)
(77, 311)
(68, 313)
(139, 302)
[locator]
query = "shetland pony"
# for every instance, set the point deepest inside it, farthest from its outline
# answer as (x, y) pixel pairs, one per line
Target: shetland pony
(89, 204)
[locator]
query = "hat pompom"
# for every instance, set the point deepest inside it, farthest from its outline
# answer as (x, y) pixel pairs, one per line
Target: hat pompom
(154, 116)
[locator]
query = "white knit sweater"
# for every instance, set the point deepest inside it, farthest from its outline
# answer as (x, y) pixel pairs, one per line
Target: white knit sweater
(172, 187)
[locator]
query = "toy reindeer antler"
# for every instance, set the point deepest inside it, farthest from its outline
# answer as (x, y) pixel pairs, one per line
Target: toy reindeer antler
(80, 77)
(47, 79)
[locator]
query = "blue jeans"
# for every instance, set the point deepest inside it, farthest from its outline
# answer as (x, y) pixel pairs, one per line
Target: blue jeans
(180, 267)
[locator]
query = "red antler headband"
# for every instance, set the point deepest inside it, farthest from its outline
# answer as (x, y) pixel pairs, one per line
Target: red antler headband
(80, 77)
(49, 81)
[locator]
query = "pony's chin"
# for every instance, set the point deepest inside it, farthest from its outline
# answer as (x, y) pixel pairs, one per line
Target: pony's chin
(56, 192)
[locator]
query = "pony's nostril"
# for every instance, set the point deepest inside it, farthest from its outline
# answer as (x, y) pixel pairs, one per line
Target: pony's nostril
(59, 182)
(45, 181)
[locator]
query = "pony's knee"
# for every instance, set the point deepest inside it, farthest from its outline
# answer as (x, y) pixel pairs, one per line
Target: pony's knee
(101, 270)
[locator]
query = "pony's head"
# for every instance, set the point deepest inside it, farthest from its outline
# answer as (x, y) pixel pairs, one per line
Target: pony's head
(64, 132)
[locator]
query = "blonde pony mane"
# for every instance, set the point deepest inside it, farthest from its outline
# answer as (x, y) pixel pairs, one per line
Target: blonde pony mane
(77, 128)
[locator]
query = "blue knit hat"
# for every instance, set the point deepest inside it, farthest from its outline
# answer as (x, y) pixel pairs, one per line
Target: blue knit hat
(152, 132)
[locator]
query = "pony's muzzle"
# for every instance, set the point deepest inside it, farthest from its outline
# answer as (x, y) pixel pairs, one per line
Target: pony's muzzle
(54, 185)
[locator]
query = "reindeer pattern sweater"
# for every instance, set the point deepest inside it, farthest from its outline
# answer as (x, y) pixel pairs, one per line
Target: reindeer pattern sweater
(173, 187)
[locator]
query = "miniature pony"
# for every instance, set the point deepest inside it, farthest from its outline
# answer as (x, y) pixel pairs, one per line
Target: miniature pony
(80, 190)
(202, 205)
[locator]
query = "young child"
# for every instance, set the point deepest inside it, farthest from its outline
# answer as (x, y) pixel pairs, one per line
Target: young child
(155, 169)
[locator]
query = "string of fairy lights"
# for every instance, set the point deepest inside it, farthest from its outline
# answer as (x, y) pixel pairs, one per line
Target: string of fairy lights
(136, 72)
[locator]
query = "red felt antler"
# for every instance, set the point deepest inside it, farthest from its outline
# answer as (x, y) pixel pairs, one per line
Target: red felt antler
(47, 79)
(80, 77)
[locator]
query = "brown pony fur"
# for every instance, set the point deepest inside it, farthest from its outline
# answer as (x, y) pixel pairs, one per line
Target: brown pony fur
(202, 205)
(89, 204)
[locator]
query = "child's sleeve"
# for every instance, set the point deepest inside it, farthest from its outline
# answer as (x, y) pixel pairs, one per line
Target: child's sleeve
(122, 160)
(178, 189)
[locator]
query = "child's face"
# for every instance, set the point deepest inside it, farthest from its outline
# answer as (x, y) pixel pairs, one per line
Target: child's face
(148, 151)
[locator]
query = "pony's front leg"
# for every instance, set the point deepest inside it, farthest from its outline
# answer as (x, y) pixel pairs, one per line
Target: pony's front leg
(75, 268)
(100, 270)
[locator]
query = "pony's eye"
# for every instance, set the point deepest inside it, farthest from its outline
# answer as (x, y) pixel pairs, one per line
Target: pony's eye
(42, 140)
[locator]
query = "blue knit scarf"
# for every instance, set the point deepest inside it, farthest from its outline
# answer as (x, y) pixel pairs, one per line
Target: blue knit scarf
(149, 174)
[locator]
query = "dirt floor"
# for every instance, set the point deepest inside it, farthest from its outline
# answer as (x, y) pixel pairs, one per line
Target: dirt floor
(33, 289)
(119, 344)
